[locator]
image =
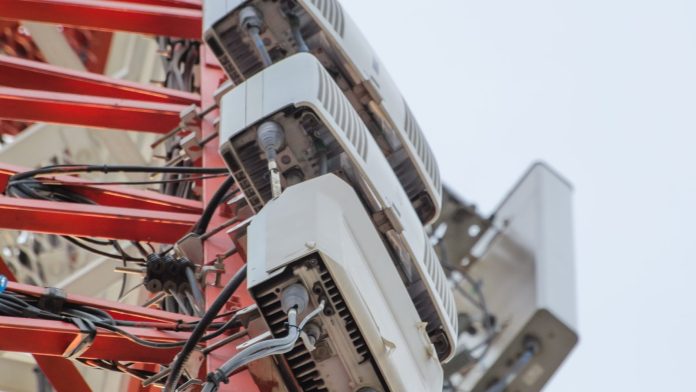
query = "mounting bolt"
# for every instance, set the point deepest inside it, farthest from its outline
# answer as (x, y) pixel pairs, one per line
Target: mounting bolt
(312, 263)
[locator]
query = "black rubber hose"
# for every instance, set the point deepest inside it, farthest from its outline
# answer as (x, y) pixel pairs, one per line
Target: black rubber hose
(62, 169)
(213, 204)
(202, 326)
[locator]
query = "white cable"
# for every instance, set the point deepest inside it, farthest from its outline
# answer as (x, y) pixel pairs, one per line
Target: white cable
(274, 345)
(268, 347)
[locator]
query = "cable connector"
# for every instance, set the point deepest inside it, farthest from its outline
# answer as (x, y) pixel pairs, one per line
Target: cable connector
(271, 138)
(3, 283)
(250, 18)
(294, 296)
(310, 335)
(252, 21)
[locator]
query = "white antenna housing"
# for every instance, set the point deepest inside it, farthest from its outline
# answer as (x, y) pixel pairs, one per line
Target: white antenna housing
(246, 35)
(526, 265)
(317, 234)
(323, 134)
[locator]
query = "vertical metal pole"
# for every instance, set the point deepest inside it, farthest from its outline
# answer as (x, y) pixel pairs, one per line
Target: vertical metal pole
(219, 244)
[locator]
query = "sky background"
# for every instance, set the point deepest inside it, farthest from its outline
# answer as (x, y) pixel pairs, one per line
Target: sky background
(605, 92)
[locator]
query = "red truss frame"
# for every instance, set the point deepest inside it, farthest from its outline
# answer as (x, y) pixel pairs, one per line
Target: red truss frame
(31, 91)
(177, 19)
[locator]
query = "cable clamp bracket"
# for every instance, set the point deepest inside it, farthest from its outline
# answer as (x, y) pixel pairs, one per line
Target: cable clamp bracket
(53, 300)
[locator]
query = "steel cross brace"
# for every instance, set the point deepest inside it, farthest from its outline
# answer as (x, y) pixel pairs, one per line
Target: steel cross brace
(115, 196)
(89, 111)
(136, 17)
(35, 75)
(193, 4)
(34, 91)
(61, 372)
(212, 76)
(20, 334)
(115, 309)
(179, 18)
(84, 220)
(126, 214)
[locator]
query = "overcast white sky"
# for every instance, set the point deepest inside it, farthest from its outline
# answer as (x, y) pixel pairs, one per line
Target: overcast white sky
(605, 92)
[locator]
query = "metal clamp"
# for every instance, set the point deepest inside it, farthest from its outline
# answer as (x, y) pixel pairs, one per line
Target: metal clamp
(53, 300)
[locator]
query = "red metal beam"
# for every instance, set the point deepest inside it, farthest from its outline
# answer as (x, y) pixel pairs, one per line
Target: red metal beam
(20, 335)
(118, 310)
(88, 111)
(116, 196)
(193, 4)
(34, 75)
(212, 75)
(108, 15)
(61, 373)
(56, 336)
(94, 221)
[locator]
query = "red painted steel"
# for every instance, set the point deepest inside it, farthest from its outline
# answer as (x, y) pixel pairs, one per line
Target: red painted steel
(116, 309)
(135, 385)
(20, 335)
(56, 336)
(61, 373)
(94, 221)
(116, 196)
(91, 46)
(14, 43)
(212, 75)
(108, 15)
(179, 18)
(5, 270)
(89, 111)
(35, 75)
(193, 4)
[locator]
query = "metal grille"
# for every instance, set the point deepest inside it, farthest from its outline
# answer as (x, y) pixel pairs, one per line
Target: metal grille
(415, 135)
(441, 283)
(333, 13)
(299, 360)
(337, 105)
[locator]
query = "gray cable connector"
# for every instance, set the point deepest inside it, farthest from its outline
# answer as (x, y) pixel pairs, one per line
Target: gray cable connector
(294, 296)
(271, 139)
(252, 21)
